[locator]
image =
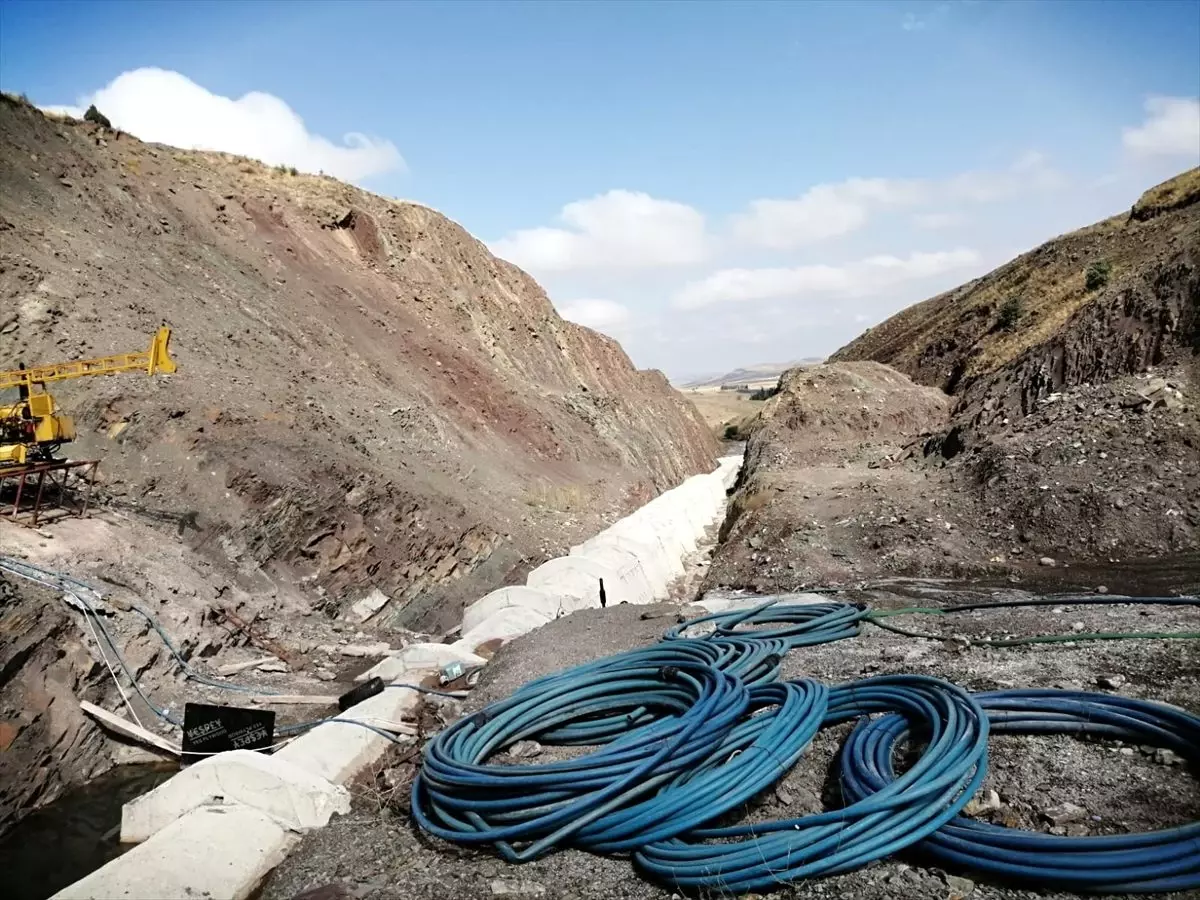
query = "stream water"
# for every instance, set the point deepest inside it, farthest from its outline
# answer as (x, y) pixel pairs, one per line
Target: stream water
(73, 836)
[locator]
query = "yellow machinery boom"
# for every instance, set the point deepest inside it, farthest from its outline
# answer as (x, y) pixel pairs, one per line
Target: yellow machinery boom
(33, 428)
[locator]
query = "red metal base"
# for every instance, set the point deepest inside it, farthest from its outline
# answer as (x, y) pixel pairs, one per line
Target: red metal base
(20, 502)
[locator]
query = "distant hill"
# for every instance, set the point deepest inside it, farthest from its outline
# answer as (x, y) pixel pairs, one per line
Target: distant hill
(748, 374)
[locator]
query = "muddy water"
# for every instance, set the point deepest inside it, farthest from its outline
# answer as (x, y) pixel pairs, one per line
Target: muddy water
(73, 836)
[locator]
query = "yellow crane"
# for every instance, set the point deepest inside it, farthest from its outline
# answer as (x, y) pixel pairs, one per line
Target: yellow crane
(33, 428)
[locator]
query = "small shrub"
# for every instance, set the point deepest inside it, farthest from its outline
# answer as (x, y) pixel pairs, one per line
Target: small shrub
(731, 432)
(96, 117)
(1010, 313)
(292, 170)
(1097, 274)
(765, 393)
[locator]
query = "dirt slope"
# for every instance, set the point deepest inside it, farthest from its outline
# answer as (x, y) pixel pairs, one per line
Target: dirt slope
(366, 397)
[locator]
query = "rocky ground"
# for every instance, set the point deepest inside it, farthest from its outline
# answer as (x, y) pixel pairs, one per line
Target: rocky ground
(377, 853)
(856, 473)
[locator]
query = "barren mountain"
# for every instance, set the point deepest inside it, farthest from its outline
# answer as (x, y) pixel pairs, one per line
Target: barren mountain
(366, 401)
(366, 397)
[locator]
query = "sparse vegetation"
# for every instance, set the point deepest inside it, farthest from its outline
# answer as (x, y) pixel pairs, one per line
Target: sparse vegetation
(1010, 313)
(765, 393)
(731, 432)
(1097, 275)
(96, 117)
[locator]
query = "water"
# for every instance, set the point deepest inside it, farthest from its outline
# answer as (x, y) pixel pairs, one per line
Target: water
(73, 836)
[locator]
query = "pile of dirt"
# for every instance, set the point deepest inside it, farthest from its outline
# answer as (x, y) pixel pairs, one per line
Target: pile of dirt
(368, 404)
(821, 501)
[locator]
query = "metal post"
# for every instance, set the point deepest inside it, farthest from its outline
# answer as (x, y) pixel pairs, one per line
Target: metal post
(87, 498)
(37, 504)
(20, 490)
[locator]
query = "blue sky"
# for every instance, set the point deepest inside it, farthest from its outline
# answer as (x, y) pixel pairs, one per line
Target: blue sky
(713, 183)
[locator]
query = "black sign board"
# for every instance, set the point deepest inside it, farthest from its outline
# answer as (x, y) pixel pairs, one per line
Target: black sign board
(215, 729)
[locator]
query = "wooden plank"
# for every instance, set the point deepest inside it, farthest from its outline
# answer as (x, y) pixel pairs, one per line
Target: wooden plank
(293, 700)
(234, 668)
(128, 729)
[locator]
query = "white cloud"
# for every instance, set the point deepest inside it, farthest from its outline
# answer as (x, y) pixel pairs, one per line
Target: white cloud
(603, 315)
(169, 108)
(832, 210)
(935, 221)
(854, 279)
(823, 211)
(617, 229)
(1171, 128)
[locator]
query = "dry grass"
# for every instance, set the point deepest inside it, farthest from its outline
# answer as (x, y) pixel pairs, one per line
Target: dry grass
(562, 498)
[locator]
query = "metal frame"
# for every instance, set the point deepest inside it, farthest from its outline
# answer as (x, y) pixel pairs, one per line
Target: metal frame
(19, 477)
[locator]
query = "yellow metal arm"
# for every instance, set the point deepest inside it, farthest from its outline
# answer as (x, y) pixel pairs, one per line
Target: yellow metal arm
(156, 359)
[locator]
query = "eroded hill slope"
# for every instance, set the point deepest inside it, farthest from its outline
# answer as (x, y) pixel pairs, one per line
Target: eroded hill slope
(366, 398)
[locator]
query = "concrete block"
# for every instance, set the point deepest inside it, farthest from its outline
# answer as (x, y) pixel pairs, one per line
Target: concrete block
(576, 582)
(421, 658)
(503, 625)
(646, 530)
(527, 597)
(337, 750)
(219, 852)
(649, 555)
(292, 796)
(633, 586)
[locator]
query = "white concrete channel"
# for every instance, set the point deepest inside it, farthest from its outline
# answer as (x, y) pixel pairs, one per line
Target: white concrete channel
(220, 826)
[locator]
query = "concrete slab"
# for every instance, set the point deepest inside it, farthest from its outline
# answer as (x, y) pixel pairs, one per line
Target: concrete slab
(645, 530)
(634, 586)
(219, 852)
(337, 749)
(576, 582)
(649, 555)
(518, 595)
(504, 625)
(292, 796)
(423, 658)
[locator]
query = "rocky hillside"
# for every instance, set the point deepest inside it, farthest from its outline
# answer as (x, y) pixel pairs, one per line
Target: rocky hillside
(1051, 420)
(1105, 301)
(366, 398)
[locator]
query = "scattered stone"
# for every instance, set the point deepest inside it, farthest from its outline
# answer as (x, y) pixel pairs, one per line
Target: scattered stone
(1166, 757)
(1102, 589)
(960, 888)
(508, 887)
(782, 796)
(984, 803)
(1065, 813)
(275, 665)
(525, 750)
(1047, 561)
(369, 605)
(1111, 682)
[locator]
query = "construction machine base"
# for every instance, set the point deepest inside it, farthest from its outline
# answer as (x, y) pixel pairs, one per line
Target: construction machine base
(36, 493)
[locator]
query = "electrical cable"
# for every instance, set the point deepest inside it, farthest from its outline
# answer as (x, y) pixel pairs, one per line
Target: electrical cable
(799, 624)
(1156, 861)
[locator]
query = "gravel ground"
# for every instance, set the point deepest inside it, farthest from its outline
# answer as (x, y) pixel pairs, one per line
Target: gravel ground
(376, 853)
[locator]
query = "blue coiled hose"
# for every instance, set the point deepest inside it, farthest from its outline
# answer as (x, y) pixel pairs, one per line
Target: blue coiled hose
(657, 714)
(766, 855)
(1156, 861)
(797, 624)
